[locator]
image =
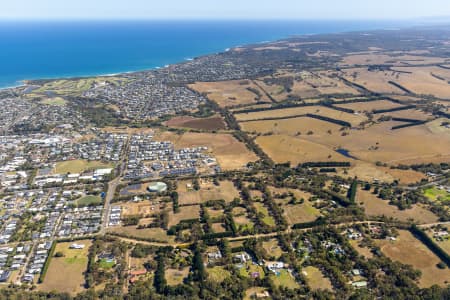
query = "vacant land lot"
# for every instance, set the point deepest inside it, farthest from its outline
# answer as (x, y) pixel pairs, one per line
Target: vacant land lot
(376, 58)
(89, 200)
(208, 191)
(79, 166)
(295, 126)
(315, 279)
(380, 143)
(138, 208)
(408, 114)
(176, 276)
(212, 123)
(65, 274)
(370, 106)
(186, 213)
(375, 206)
(230, 153)
(230, 93)
(426, 80)
(375, 81)
(409, 250)
(284, 148)
(353, 119)
(364, 251)
(157, 234)
(304, 85)
(369, 171)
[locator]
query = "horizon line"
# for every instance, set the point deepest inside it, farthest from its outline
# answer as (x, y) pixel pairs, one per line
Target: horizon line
(399, 19)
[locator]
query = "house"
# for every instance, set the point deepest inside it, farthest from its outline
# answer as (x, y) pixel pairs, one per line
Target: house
(4, 276)
(359, 284)
(275, 266)
(76, 246)
(242, 257)
(214, 255)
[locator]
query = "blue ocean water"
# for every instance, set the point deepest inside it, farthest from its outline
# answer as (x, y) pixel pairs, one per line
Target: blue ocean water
(53, 49)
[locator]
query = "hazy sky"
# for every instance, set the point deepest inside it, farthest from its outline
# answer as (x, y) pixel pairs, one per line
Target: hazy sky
(215, 9)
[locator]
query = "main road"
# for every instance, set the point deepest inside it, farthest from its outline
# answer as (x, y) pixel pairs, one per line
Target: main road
(112, 186)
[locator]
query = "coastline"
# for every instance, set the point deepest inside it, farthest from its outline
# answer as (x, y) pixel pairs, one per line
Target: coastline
(150, 61)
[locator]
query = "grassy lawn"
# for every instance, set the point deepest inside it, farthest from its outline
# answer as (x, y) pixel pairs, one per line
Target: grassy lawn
(65, 274)
(79, 166)
(89, 200)
(272, 248)
(249, 268)
(57, 101)
(175, 276)
(104, 264)
(433, 193)
(268, 220)
(218, 274)
(407, 249)
(284, 279)
(315, 279)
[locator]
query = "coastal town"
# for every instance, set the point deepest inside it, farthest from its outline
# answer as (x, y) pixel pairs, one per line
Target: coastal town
(303, 168)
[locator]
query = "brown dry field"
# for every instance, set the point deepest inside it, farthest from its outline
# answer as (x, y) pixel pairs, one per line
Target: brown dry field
(436, 126)
(375, 206)
(376, 81)
(176, 276)
(405, 98)
(209, 191)
(421, 81)
(394, 146)
(368, 172)
(212, 123)
(307, 85)
(157, 234)
(299, 213)
(370, 106)
(317, 110)
(385, 58)
(215, 213)
(364, 251)
(290, 126)
(409, 250)
(272, 248)
(316, 280)
(229, 93)
(73, 265)
(218, 227)
(186, 213)
(138, 208)
(240, 216)
(284, 148)
(262, 105)
(229, 152)
(407, 114)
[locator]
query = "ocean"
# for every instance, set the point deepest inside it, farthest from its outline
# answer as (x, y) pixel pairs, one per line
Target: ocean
(54, 49)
